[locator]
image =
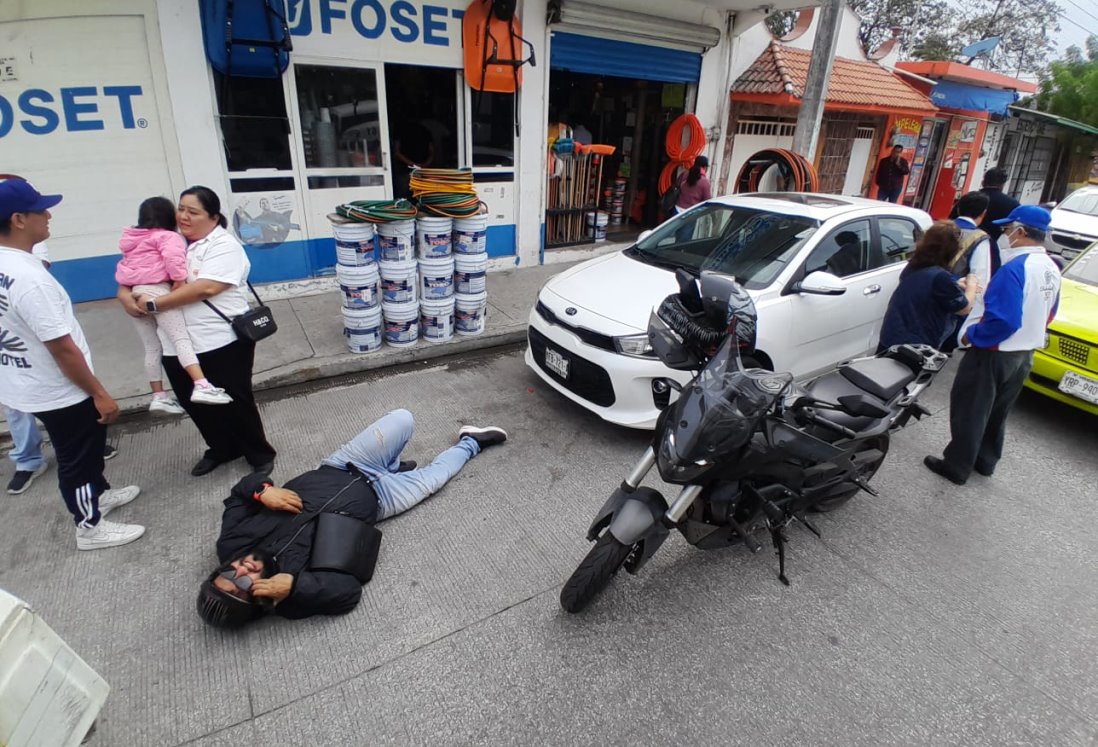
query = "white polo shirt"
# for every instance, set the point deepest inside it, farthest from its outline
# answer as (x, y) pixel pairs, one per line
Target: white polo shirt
(218, 257)
(34, 309)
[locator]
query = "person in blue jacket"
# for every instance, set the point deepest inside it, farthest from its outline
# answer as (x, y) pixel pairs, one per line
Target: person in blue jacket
(1001, 333)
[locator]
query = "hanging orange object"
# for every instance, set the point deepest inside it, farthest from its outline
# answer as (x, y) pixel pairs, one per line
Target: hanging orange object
(492, 43)
(681, 155)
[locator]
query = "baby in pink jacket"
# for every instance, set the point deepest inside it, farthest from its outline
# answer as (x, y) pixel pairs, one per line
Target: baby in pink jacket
(154, 262)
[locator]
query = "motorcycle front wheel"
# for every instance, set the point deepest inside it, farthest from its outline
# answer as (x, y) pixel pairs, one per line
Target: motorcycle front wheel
(592, 575)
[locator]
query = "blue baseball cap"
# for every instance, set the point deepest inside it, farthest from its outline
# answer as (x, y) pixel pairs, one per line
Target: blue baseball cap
(1030, 216)
(18, 196)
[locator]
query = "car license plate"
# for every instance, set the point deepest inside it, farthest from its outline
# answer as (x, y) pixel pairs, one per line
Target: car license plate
(556, 363)
(1080, 386)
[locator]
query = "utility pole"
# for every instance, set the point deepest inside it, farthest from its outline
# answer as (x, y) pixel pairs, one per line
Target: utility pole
(810, 115)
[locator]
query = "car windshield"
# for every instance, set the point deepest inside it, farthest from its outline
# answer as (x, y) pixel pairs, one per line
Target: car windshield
(751, 245)
(1085, 267)
(1081, 202)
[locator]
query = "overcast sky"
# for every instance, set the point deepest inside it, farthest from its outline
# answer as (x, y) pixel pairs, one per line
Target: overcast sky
(1079, 18)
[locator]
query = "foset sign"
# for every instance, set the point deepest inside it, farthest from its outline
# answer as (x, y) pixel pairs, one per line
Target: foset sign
(393, 24)
(41, 111)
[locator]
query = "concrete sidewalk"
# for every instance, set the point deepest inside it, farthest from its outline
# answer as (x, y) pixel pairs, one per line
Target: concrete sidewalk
(309, 343)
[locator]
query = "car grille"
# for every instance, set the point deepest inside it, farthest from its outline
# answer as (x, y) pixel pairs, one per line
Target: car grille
(592, 338)
(1073, 350)
(585, 378)
(1071, 242)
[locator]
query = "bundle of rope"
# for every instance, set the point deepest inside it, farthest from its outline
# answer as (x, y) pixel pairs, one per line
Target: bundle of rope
(681, 154)
(377, 211)
(445, 192)
(795, 172)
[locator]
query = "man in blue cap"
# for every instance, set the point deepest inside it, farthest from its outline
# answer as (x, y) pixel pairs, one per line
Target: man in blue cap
(45, 369)
(1001, 333)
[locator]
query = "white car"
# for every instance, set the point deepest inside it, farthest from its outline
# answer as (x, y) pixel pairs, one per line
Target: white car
(821, 269)
(1074, 224)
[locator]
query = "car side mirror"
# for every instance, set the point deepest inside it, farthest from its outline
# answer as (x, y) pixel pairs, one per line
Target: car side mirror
(862, 406)
(644, 235)
(820, 283)
(1048, 205)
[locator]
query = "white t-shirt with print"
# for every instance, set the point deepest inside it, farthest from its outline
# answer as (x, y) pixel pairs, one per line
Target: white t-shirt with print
(218, 257)
(34, 309)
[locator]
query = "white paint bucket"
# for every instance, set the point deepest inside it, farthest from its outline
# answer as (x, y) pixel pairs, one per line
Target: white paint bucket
(398, 282)
(355, 244)
(596, 225)
(436, 278)
(359, 286)
(471, 235)
(470, 313)
(470, 272)
(362, 328)
(436, 319)
(434, 237)
(401, 327)
(396, 241)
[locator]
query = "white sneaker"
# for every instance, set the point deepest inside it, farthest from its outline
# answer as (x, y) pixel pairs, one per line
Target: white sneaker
(210, 395)
(165, 406)
(116, 497)
(107, 534)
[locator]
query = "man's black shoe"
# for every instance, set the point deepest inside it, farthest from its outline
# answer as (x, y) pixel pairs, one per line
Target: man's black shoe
(407, 466)
(205, 466)
(485, 437)
(109, 452)
(264, 469)
(23, 478)
(938, 467)
(985, 472)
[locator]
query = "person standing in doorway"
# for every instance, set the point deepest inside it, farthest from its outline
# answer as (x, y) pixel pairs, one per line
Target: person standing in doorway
(694, 186)
(891, 172)
(217, 274)
(46, 369)
(1002, 332)
(1000, 204)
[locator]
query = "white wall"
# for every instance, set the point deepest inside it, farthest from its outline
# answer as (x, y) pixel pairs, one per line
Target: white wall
(848, 47)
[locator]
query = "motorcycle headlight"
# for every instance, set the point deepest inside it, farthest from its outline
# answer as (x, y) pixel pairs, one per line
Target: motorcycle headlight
(672, 468)
(635, 346)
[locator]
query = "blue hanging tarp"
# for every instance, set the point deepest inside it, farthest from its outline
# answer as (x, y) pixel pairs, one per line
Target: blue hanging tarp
(254, 45)
(590, 54)
(950, 95)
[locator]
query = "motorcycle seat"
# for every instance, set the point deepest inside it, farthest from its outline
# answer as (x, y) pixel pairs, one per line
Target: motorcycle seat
(828, 388)
(884, 378)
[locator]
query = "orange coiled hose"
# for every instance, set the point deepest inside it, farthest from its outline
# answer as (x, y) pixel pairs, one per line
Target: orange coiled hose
(797, 174)
(681, 155)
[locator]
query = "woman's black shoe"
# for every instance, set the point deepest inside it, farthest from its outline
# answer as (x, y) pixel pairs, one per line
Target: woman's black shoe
(205, 466)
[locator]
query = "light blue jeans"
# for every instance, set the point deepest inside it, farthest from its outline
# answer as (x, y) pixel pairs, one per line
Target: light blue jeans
(26, 451)
(376, 453)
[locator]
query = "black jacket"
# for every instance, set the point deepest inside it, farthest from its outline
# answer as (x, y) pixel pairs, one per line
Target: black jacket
(1000, 206)
(246, 522)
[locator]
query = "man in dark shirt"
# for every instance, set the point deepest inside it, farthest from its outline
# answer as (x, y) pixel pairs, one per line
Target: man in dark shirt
(1000, 203)
(890, 175)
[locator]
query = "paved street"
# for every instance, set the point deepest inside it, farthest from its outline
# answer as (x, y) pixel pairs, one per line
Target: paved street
(929, 615)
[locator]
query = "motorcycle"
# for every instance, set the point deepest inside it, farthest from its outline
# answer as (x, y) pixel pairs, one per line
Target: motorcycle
(752, 451)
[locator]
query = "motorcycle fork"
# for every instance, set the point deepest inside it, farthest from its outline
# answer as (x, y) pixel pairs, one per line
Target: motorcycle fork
(687, 495)
(642, 468)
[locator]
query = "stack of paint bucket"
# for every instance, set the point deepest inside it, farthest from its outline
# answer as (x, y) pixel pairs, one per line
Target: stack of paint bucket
(616, 205)
(357, 273)
(434, 245)
(470, 273)
(399, 282)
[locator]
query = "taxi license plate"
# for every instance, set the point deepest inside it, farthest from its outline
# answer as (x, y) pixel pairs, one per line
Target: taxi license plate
(557, 363)
(1080, 386)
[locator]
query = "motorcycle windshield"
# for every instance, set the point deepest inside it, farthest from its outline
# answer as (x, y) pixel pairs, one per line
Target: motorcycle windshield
(718, 412)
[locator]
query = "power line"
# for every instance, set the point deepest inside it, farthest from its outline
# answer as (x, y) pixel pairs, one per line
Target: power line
(1083, 10)
(1073, 22)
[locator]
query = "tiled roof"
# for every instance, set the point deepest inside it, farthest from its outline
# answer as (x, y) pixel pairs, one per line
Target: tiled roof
(853, 83)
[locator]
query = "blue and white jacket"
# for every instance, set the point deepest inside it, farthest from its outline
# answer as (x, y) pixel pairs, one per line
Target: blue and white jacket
(1018, 305)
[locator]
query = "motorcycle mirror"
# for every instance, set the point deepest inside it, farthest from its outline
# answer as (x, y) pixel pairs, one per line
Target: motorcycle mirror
(688, 291)
(862, 406)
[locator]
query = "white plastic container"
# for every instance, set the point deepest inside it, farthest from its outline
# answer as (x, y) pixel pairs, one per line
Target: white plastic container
(596, 225)
(396, 241)
(434, 237)
(471, 235)
(470, 313)
(436, 319)
(436, 278)
(48, 694)
(362, 328)
(360, 286)
(401, 328)
(355, 243)
(470, 273)
(399, 282)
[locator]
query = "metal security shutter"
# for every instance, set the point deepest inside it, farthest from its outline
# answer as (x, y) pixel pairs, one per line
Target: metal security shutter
(589, 54)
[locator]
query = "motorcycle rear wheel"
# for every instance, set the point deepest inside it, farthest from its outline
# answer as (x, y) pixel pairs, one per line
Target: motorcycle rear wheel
(592, 575)
(866, 472)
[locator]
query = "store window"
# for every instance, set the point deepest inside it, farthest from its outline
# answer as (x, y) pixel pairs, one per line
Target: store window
(493, 133)
(843, 253)
(340, 125)
(254, 127)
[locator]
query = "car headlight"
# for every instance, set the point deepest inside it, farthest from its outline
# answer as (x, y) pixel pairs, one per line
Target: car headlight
(635, 346)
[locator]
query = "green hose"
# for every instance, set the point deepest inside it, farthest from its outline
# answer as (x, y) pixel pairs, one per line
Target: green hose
(377, 211)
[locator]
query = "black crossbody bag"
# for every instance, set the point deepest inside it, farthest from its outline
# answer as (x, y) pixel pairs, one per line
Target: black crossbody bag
(254, 324)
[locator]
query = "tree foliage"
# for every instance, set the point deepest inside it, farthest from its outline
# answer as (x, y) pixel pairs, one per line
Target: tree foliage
(1070, 88)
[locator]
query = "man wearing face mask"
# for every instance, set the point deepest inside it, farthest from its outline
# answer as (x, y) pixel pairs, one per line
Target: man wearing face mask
(1003, 330)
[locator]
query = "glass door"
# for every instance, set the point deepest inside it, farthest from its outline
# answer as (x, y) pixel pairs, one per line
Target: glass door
(343, 143)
